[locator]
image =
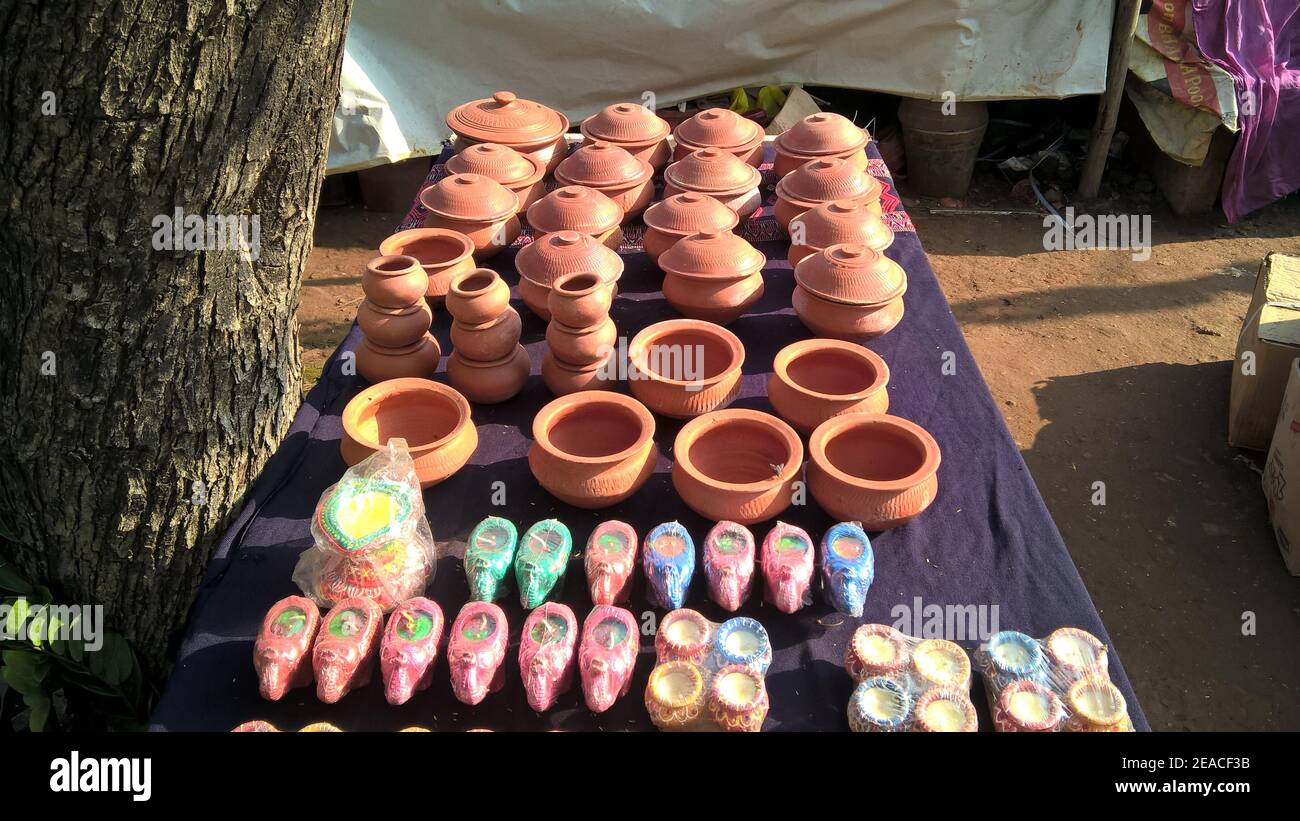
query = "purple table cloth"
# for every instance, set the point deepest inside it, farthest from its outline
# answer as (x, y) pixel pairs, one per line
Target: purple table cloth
(988, 540)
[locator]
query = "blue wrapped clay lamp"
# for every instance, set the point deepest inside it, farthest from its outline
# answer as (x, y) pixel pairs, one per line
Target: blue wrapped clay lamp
(669, 559)
(541, 560)
(879, 704)
(489, 557)
(742, 641)
(848, 567)
(1011, 655)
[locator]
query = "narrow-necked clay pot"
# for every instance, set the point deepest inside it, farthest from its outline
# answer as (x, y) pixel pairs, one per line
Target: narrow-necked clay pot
(488, 340)
(714, 276)
(719, 174)
(820, 181)
(478, 296)
(815, 379)
(849, 292)
(394, 327)
(579, 299)
(486, 383)
(720, 128)
(433, 419)
(521, 173)
(581, 209)
(394, 281)
(581, 346)
(378, 364)
(593, 449)
(837, 223)
(634, 128)
(545, 260)
(478, 207)
(505, 119)
(441, 252)
(614, 172)
(824, 135)
(681, 215)
(661, 355)
(736, 464)
(561, 378)
(872, 468)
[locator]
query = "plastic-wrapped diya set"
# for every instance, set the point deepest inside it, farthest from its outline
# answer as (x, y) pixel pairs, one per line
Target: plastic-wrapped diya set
(708, 676)
(908, 684)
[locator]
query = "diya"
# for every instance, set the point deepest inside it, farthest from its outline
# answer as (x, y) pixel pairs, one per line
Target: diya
(729, 564)
(683, 635)
(610, 560)
(1009, 656)
(738, 700)
(476, 651)
(282, 652)
(787, 567)
(943, 663)
(945, 710)
(1097, 706)
(542, 558)
(741, 641)
(879, 704)
(1027, 707)
(1076, 653)
(848, 567)
(409, 648)
(343, 657)
(546, 654)
(669, 558)
(877, 650)
(676, 696)
(489, 555)
(607, 655)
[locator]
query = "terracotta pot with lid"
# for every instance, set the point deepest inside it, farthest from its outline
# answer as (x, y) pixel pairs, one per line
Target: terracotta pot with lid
(593, 449)
(719, 174)
(820, 181)
(720, 128)
(713, 275)
(479, 207)
(680, 215)
(836, 223)
(849, 292)
(635, 128)
(614, 172)
(872, 468)
(543, 261)
(442, 253)
(823, 135)
(815, 379)
(737, 465)
(581, 209)
(526, 126)
(521, 173)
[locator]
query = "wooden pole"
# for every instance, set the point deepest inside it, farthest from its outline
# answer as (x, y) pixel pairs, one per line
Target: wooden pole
(1121, 40)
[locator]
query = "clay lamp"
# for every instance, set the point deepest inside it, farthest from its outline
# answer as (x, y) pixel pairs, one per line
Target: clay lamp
(541, 562)
(442, 253)
(1011, 655)
(526, 126)
(852, 222)
(729, 554)
(343, 657)
(610, 561)
(668, 559)
(720, 175)
(683, 635)
(820, 136)
(593, 449)
(542, 262)
(720, 128)
(877, 650)
(941, 662)
(433, 418)
(409, 648)
(676, 697)
(632, 127)
(680, 215)
(282, 653)
(394, 281)
(821, 181)
(377, 363)
(1028, 707)
(848, 567)
(612, 171)
(1097, 706)
(849, 292)
(548, 648)
(581, 209)
(815, 379)
(879, 704)
(872, 468)
(738, 701)
(521, 173)
(682, 368)
(742, 641)
(1076, 653)
(489, 558)
(607, 655)
(714, 276)
(475, 651)
(736, 464)
(945, 710)
(787, 558)
(479, 207)
(256, 726)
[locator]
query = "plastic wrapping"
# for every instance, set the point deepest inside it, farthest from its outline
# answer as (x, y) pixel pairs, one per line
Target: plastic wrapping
(476, 650)
(346, 647)
(541, 560)
(848, 567)
(669, 558)
(729, 553)
(906, 684)
(547, 648)
(788, 559)
(282, 652)
(409, 648)
(607, 655)
(489, 557)
(610, 562)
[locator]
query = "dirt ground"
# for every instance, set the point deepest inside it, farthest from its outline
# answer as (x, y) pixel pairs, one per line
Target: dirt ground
(1107, 369)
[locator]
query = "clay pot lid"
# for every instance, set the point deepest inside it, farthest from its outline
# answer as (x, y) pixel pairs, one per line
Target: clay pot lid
(719, 127)
(711, 254)
(499, 162)
(869, 432)
(507, 119)
(690, 213)
(575, 208)
(470, 197)
(844, 221)
(564, 252)
(712, 170)
(608, 409)
(427, 414)
(626, 124)
(852, 274)
(822, 133)
(827, 180)
(602, 165)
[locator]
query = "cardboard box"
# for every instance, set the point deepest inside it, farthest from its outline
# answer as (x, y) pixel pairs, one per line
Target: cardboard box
(1282, 475)
(1268, 343)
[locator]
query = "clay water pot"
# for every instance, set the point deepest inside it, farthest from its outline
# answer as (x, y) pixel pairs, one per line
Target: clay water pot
(433, 418)
(634, 128)
(872, 468)
(815, 379)
(720, 128)
(581, 209)
(562, 378)
(442, 253)
(581, 346)
(478, 296)
(837, 223)
(820, 136)
(719, 174)
(736, 465)
(579, 300)
(394, 281)
(542, 262)
(714, 276)
(479, 207)
(851, 323)
(659, 356)
(593, 449)
(488, 340)
(681, 215)
(521, 173)
(377, 363)
(849, 292)
(505, 119)
(489, 382)
(394, 327)
(820, 181)
(612, 171)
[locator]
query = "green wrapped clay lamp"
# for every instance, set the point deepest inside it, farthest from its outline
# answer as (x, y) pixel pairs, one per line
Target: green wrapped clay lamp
(541, 560)
(488, 558)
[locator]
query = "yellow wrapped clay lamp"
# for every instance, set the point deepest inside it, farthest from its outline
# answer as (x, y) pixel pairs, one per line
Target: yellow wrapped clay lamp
(849, 292)
(877, 650)
(945, 710)
(612, 171)
(256, 727)
(942, 663)
(841, 222)
(1076, 653)
(820, 136)
(526, 126)
(683, 635)
(676, 696)
(678, 216)
(720, 128)
(1027, 706)
(718, 174)
(521, 173)
(320, 727)
(479, 207)
(634, 128)
(1097, 706)
(822, 181)
(581, 209)
(543, 261)
(738, 701)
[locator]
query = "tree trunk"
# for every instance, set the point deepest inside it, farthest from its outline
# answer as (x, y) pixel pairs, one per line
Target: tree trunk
(144, 383)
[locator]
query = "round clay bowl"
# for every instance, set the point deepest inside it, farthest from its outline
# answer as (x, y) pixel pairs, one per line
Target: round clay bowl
(736, 465)
(377, 363)
(815, 379)
(394, 327)
(838, 320)
(593, 449)
(574, 208)
(823, 135)
(581, 346)
(477, 206)
(487, 383)
(634, 128)
(562, 378)
(872, 468)
(579, 300)
(489, 340)
(442, 254)
(720, 128)
(394, 281)
(478, 296)
(433, 419)
(676, 217)
(521, 173)
(661, 354)
(842, 222)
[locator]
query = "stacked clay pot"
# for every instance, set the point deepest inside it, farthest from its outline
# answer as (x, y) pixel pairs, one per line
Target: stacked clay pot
(580, 337)
(612, 171)
(835, 223)
(479, 207)
(521, 173)
(719, 174)
(821, 136)
(543, 261)
(720, 128)
(820, 181)
(849, 292)
(527, 127)
(680, 215)
(713, 275)
(487, 363)
(581, 209)
(395, 320)
(442, 253)
(632, 127)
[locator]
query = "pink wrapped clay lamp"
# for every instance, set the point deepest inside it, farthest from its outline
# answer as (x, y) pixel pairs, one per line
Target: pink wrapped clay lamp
(683, 635)
(409, 648)
(729, 564)
(1027, 707)
(877, 650)
(610, 560)
(788, 559)
(282, 654)
(607, 655)
(344, 655)
(546, 654)
(476, 651)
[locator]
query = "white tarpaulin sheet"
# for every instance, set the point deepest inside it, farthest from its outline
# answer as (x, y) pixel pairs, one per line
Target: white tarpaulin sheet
(410, 61)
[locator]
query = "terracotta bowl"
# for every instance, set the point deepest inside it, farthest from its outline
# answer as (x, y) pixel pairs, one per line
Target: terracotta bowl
(478, 296)
(487, 340)
(872, 468)
(442, 254)
(394, 327)
(394, 281)
(562, 378)
(838, 320)
(816, 379)
(660, 355)
(433, 419)
(489, 382)
(737, 465)
(593, 449)
(377, 363)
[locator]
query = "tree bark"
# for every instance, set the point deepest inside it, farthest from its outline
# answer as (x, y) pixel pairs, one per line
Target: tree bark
(142, 388)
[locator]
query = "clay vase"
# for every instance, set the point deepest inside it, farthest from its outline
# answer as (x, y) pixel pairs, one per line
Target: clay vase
(820, 181)
(681, 215)
(394, 327)
(526, 126)
(562, 378)
(581, 209)
(815, 379)
(682, 368)
(719, 174)
(849, 292)
(714, 276)
(487, 383)
(634, 128)
(442, 254)
(579, 300)
(583, 346)
(837, 223)
(821, 136)
(542, 262)
(736, 464)
(479, 207)
(521, 173)
(580, 297)
(612, 171)
(377, 364)
(394, 281)
(720, 128)
(478, 296)
(489, 340)
(593, 449)
(433, 418)
(872, 468)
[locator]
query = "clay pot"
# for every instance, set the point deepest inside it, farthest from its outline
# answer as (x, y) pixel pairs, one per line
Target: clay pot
(714, 276)
(490, 382)
(488, 340)
(526, 126)
(872, 468)
(394, 281)
(478, 296)
(442, 254)
(852, 323)
(849, 292)
(837, 223)
(593, 449)
(820, 136)
(720, 128)
(562, 378)
(719, 174)
(736, 465)
(433, 419)
(521, 173)
(377, 364)
(584, 345)
(613, 172)
(820, 181)
(581, 209)
(660, 354)
(816, 379)
(543, 261)
(394, 327)
(634, 128)
(681, 215)
(479, 207)
(579, 300)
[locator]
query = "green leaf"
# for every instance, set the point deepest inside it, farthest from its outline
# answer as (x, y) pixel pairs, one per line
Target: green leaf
(40, 704)
(25, 671)
(113, 661)
(11, 582)
(771, 99)
(739, 101)
(19, 609)
(36, 628)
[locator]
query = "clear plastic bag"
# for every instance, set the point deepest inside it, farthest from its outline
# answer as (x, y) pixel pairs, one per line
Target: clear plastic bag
(906, 684)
